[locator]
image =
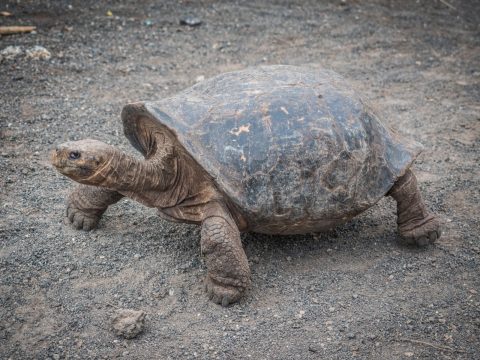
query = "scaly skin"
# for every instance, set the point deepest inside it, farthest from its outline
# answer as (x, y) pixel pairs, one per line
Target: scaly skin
(416, 224)
(228, 271)
(86, 204)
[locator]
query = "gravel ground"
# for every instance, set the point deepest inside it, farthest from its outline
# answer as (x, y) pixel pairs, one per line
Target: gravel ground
(352, 293)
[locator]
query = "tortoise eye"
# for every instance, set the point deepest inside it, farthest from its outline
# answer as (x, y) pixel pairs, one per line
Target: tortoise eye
(74, 155)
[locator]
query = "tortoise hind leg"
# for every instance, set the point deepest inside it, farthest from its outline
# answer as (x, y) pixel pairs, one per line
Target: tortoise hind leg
(228, 272)
(86, 204)
(415, 223)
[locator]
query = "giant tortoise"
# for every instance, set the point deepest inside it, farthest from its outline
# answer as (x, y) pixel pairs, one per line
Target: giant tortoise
(270, 149)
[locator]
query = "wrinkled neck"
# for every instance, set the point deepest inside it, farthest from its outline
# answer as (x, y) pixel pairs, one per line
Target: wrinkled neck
(127, 173)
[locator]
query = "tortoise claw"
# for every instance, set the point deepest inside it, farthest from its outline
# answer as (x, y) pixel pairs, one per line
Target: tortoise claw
(422, 235)
(81, 220)
(222, 294)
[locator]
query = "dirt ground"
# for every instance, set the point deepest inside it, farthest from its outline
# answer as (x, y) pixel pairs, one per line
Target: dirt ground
(352, 293)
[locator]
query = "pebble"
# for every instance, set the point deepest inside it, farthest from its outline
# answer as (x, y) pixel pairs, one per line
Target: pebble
(128, 323)
(10, 52)
(190, 21)
(351, 335)
(313, 348)
(300, 314)
(38, 53)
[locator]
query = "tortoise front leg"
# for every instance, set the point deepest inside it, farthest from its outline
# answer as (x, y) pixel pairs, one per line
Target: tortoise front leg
(228, 272)
(416, 224)
(86, 204)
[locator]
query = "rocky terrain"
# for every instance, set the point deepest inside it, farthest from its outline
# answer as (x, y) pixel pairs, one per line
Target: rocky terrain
(352, 293)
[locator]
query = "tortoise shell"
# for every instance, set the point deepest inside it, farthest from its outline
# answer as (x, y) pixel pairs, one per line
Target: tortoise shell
(289, 146)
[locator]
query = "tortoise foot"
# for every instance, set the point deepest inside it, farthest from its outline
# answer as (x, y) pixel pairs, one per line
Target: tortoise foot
(80, 219)
(228, 272)
(86, 205)
(221, 293)
(421, 232)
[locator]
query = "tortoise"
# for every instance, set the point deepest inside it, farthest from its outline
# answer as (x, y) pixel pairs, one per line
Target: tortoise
(270, 149)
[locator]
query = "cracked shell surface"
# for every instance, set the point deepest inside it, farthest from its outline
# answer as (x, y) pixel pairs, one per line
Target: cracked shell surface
(289, 146)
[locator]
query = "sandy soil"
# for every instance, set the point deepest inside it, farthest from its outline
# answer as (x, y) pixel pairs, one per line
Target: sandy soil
(355, 292)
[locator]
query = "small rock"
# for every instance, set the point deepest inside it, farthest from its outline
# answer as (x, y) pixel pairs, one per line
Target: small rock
(56, 357)
(408, 354)
(10, 52)
(38, 53)
(255, 259)
(313, 348)
(300, 314)
(190, 21)
(199, 78)
(351, 335)
(128, 323)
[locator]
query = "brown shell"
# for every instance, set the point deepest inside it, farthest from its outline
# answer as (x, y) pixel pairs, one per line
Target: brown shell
(290, 146)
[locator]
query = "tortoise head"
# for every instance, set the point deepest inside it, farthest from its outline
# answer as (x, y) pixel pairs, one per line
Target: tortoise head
(83, 160)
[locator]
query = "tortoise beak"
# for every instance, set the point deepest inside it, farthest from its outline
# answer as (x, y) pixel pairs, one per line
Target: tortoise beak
(56, 157)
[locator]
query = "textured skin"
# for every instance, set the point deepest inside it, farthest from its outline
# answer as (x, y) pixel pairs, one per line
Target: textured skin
(228, 271)
(295, 149)
(86, 204)
(416, 224)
